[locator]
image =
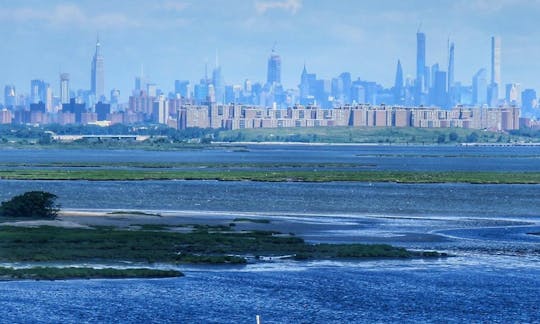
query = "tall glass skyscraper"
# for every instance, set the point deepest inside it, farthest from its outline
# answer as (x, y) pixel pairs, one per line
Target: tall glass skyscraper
(219, 84)
(274, 69)
(64, 88)
(420, 55)
(399, 95)
(420, 67)
(496, 60)
(450, 65)
(97, 75)
(495, 86)
(479, 91)
(38, 91)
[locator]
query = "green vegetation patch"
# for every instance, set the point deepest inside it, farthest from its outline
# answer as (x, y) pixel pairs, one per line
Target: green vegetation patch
(382, 135)
(164, 138)
(53, 273)
(279, 176)
(205, 244)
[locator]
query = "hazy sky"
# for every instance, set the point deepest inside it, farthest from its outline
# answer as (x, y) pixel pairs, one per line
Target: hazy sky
(173, 39)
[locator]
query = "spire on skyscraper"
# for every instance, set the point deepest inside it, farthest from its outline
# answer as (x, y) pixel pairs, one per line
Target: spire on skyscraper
(97, 82)
(398, 85)
(399, 75)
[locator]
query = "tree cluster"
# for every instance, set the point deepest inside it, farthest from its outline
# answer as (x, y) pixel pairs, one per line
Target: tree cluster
(32, 204)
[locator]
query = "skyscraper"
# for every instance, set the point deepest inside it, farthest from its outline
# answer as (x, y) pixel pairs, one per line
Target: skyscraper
(97, 75)
(439, 89)
(274, 69)
(345, 78)
(151, 90)
(115, 96)
(10, 96)
(420, 67)
(38, 91)
(434, 69)
(452, 91)
(496, 60)
(450, 66)
(513, 94)
(399, 95)
(528, 101)
(218, 82)
(479, 82)
(181, 87)
(304, 83)
(64, 88)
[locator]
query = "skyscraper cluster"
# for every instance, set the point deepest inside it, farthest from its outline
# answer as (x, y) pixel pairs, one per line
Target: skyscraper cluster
(432, 85)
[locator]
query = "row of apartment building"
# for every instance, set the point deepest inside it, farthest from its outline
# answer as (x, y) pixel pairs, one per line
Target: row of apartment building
(240, 116)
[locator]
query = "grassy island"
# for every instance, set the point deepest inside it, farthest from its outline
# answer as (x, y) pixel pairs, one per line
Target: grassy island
(195, 244)
(276, 176)
(53, 273)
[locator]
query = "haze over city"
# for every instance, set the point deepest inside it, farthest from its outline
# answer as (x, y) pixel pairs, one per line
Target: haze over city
(174, 39)
(269, 161)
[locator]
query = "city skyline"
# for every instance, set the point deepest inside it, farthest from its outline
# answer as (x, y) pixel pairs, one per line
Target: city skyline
(431, 86)
(245, 56)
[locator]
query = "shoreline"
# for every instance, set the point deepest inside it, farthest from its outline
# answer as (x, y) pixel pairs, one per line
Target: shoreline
(313, 227)
(224, 144)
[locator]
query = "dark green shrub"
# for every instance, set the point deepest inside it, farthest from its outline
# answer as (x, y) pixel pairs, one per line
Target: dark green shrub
(32, 204)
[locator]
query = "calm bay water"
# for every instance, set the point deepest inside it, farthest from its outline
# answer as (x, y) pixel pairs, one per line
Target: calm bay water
(336, 197)
(378, 292)
(415, 158)
(494, 277)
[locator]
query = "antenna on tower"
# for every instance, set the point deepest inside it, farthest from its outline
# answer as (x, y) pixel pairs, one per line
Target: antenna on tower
(419, 27)
(274, 47)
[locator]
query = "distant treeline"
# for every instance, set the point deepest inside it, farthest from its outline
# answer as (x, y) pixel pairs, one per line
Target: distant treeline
(42, 135)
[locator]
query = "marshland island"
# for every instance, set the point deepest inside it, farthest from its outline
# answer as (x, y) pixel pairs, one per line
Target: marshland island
(35, 233)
